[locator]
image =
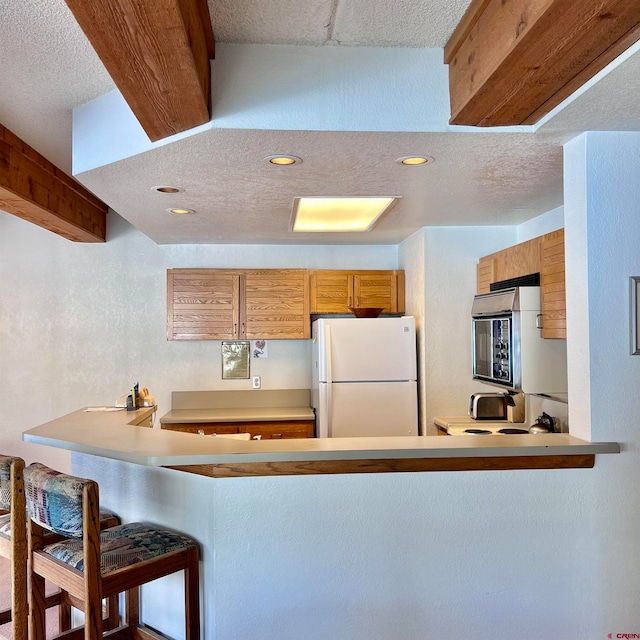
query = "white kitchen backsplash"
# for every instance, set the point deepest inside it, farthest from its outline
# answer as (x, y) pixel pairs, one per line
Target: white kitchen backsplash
(557, 408)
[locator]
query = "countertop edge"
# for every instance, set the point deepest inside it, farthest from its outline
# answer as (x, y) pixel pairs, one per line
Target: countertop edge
(112, 436)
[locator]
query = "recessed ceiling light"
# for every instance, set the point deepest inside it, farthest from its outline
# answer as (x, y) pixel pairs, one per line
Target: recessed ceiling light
(283, 159)
(415, 160)
(338, 214)
(181, 211)
(167, 189)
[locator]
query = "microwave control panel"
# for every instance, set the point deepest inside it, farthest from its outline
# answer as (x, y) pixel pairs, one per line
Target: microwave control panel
(502, 364)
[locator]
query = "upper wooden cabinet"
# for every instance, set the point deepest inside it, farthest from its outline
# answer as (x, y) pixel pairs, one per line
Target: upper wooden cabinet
(334, 291)
(544, 255)
(553, 298)
(231, 304)
(519, 260)
(275, 304)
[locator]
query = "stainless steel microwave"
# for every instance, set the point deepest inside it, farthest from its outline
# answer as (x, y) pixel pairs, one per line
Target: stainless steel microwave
(507, 344)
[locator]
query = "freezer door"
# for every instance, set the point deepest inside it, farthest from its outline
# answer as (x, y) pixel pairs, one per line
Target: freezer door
(365, 349)
(367, 409)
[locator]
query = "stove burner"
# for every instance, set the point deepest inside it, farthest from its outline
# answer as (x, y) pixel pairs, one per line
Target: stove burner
(478, 432)
(511, 431)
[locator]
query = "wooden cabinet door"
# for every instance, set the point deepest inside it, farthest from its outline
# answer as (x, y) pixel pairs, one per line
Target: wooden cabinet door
(202, 304)
(376, 289)
(552, 286)
(334, 291)
(280, 430)
(275, 304)
(331, 291)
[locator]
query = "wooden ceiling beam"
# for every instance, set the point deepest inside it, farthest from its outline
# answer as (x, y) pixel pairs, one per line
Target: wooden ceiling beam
(35, 190)
(512, 61)
(157, 53)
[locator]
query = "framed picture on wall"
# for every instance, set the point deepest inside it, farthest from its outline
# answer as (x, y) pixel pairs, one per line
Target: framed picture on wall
(235, 359)
(634, 304)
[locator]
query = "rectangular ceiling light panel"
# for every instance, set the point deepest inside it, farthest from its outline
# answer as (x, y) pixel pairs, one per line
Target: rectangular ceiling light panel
(337, 214)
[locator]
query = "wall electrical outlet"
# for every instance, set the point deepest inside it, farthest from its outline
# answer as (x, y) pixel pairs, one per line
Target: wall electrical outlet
(255, 382)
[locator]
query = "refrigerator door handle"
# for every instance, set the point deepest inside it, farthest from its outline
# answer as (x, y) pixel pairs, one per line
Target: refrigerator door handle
(327, 339)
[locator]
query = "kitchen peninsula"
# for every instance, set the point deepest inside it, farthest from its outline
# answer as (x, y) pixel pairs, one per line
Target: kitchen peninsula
(115, 435)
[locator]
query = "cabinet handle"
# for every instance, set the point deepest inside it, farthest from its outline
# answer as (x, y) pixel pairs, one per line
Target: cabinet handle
(275, 436)
(539, 321)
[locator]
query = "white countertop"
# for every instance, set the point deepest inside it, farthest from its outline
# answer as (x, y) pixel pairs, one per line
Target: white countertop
(112, 435)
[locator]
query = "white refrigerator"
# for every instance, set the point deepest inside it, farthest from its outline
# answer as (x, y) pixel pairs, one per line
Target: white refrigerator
(365, 377)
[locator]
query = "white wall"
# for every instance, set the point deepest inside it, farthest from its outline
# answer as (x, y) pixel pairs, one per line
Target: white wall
(444, 289)
(80, 323)
(546, 223)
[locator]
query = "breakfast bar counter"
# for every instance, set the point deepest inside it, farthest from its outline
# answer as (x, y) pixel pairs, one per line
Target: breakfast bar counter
(115, 435)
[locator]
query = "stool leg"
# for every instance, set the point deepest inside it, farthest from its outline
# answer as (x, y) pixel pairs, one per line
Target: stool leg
(132, 608)
(37, 607)
(64, 617)
(113, 614)
(192, 596)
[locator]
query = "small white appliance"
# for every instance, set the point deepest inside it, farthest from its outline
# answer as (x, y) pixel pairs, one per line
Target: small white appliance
(365, 377)
(507, 344)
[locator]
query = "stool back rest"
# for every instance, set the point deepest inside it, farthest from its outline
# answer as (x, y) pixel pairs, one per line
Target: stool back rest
(54, 499)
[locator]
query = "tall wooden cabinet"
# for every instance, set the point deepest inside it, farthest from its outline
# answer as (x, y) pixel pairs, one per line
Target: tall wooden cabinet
(544, 255)
(334, 291)
(553, 298)
(230, 304)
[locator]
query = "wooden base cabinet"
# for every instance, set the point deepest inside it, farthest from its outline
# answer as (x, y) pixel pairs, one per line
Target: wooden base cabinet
(267, 430)
(334, 291)
(228, 304)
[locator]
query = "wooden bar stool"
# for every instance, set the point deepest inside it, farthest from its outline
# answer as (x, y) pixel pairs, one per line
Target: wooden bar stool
(13, 546)
(92, 565)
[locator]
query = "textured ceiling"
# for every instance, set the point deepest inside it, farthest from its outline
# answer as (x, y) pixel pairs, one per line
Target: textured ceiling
(373, 23)
(47, 68)
(248, 200)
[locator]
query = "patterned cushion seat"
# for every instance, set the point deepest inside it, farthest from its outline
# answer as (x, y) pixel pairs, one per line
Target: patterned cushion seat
(5, 524)
(123, 546)
(5, 521)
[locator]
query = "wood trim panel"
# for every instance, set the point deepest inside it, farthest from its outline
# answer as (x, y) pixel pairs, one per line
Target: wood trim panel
(512, 62)
(35, 190)
(157, 53)
(411, 465)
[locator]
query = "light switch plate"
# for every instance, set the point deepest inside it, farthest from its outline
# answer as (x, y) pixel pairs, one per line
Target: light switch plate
(255, 382)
